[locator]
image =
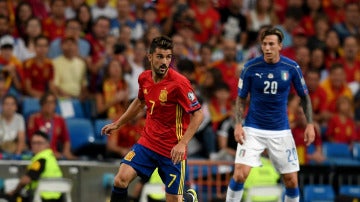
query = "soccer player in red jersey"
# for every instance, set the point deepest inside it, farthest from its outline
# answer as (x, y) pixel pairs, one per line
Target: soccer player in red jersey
(173, 115)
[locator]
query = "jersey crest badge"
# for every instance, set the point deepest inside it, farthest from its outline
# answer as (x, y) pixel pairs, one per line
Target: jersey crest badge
(191, 96)
(145, 91)
(284, 75)
(270, 76)
(163, 96)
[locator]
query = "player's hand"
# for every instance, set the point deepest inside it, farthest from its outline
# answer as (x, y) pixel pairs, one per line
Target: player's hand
(108, 128)
(309, 134)
(239, 134)
(178, 153)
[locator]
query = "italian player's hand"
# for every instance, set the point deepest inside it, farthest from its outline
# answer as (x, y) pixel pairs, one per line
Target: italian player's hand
(178, 153)
(309, 134)
(239, 133)
(108, 128)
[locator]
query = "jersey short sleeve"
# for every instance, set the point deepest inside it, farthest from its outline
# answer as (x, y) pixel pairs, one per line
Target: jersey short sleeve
(187, 97)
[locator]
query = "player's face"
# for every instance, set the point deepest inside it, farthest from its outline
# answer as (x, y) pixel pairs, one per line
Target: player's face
(271, 48)
(160, 61)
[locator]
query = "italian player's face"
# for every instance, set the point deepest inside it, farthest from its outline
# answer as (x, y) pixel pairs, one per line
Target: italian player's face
(271, 48)
(160, 61)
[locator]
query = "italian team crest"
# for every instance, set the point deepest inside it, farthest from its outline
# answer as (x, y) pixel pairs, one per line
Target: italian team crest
(284, 75)
(163, 96)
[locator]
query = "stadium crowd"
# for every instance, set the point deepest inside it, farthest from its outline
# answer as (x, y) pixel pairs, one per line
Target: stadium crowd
(94, 50)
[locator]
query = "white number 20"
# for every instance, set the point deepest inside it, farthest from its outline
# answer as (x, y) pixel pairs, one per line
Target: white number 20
(270, 87)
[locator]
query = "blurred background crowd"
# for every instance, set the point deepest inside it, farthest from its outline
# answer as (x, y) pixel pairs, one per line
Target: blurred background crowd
(92, 51)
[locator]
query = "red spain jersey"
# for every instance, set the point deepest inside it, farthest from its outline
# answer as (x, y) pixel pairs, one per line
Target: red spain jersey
(169, 104)
(342, 131)
(39, 74)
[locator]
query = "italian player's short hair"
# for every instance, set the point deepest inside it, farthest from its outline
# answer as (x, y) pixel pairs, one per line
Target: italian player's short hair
(161, 42)
(272, 31)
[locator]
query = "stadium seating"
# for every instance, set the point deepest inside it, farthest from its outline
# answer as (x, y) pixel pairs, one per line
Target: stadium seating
(338, 154)
(350, 190)
(71, 108)
(319, 193)
(81, 133)
(98, 125)
(356, 151)
(29, 105)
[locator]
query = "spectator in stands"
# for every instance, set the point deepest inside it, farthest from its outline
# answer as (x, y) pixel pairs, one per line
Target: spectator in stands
(317, 62)
(204, 63)
(97, 60)
(69, 71)
(233, 22)
(112, 97)
(43, 165)
(341, 127)
(12, 127)
(83, 15)
(225, 138)
(262, 14)
(302, 57)
(72, 29)
(321, 28)
(10, 66)
(292, 20)
(150, 34)
(3, 89)
(4, 26)
(102, 8)
(304, 156)
(39, 70)
(120, 143)
(54, 24)
(335, 86)
(72, 8)
(51, 123)
(150, 17)
(137, 66)
(125, 17)
(220, 104)
(209, 20)
(228, 66)
(350, 62)
(25, 47)
(299, 39)
(335, 9)
(332, 48)
(312, 9)
(317, 95)
(350, 25)
(40, 8)
(23, 13)
(211, 79)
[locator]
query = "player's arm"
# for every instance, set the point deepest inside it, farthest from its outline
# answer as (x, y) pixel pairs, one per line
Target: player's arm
(239, 114)
(195, 120)
(306, 105)
(309, 134)
(135, 107)
(178, 152)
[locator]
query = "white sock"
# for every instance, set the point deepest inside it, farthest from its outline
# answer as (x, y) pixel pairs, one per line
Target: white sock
(234, 196)
(289, 199)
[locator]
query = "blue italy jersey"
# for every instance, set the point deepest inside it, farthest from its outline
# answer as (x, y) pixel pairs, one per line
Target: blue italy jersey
(269, 87)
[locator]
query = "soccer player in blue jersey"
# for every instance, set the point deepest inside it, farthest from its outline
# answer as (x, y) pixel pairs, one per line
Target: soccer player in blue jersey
(268, 79)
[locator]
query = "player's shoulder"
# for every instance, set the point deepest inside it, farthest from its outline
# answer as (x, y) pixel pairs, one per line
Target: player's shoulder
(254, 62)
(145, 74)
(289, 63)
(175, 75)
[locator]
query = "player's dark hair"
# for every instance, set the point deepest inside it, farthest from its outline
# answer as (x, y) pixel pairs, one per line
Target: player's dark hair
(161, 42)
(272, 31)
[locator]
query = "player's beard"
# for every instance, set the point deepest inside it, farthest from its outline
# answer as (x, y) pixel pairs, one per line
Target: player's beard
(161, 70)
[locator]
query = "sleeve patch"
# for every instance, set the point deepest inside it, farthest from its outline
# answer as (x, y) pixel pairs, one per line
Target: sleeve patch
(35, 166)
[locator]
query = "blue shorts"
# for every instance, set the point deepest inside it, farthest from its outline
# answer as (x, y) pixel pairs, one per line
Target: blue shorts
(145, 161)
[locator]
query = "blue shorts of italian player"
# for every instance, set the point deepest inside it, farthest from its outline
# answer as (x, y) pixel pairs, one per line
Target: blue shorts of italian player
(145, 161)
